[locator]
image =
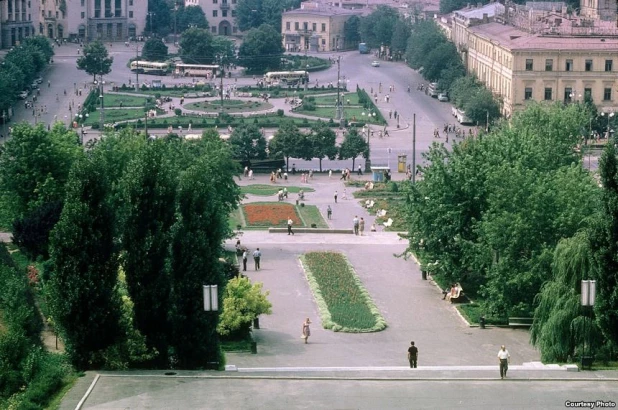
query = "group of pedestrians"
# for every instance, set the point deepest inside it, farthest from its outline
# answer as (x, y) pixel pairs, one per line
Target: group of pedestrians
(257, 256)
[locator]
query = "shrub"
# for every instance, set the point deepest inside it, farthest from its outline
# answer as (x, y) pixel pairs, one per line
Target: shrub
(242, 303)
(31, 233)
(308, 105)
(280, 112)
(178, 112)
(394, 187)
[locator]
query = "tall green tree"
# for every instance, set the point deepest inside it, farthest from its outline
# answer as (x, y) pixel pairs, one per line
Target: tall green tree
(284, 143)
(377, 28)
(352, 146)
(95, 59)
(196, 47)
(83, 292)
(154, 50)
(247, 143)
(481, 107)
(261, 49)
(160, 21)
(323, 140)
(401, 33)
(149, 188)
(224, 50)
(351, 32)
(253, 13)
(191, 16)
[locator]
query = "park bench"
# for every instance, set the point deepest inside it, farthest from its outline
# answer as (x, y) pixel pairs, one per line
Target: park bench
(462, 298)
(520, 322)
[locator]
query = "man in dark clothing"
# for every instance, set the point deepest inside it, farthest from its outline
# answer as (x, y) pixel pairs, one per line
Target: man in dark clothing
(412, 355)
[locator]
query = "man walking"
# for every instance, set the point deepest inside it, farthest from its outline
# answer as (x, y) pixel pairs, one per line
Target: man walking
(504, 358)
(329, 212)
(244, 260)
(335, 196)
(412, 355)
(257, 255)
(355, 221)
(290, 222)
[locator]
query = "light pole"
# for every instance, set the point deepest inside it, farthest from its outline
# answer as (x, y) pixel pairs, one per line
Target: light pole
(339, 110)
(368, 115)
(175, 21)
(609, 116)
(150, 14)
(220, 59)
(588, 293)
(414, 148)
(136, 67)
(101, 97)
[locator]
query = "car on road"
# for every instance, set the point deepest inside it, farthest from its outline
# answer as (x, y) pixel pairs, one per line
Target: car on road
(38, 80)
(23, 95)
(375, 63)
(443, 97)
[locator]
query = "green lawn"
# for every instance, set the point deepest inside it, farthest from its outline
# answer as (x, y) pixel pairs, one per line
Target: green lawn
(266, 121)
(228, 106)
(115, 115)
(344, 303)
(114, 100)
(390, 197)
(350, 113)
(267, 190)
(310, 214)
(331, 99)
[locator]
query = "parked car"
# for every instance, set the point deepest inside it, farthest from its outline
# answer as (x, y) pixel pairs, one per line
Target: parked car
(34, 85)
(443, 97)
(23, 95)
(375, 63)
(38, 80)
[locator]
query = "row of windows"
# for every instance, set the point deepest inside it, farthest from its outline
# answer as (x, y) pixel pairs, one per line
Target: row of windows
(568, 94)
(314, 26)
(568, 65)
(215, 13)
(83, 3)
(223, 1)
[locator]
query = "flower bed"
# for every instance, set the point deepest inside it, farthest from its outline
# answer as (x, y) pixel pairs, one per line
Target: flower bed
(270, 214)
(344, 303)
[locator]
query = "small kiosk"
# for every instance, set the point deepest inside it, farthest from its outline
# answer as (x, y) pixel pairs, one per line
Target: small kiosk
(380, 173)
(402, 162)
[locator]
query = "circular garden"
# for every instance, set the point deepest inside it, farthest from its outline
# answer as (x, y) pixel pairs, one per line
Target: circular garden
(228, 106)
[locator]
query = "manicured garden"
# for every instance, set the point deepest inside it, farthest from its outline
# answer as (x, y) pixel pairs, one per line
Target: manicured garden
(344, 303)
(228, 106)
(389, 197)
(267, 190)
(115, 115)
(117, 100)
(264, 215)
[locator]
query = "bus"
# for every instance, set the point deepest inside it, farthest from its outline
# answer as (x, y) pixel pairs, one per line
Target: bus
(195, 70)
(363, 49)
(285, 78)
(149, 67)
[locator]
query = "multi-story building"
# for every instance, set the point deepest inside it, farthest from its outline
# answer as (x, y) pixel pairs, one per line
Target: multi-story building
(521, 55)
(316, 27)
(17, 21)
(107, 20)
(220, 14)
(52, 19)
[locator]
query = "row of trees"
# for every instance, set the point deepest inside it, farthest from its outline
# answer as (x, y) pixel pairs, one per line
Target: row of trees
(247, 144)
(20, 66)
(429, 51)
(384, 27)
(514, 215)
(134, 230)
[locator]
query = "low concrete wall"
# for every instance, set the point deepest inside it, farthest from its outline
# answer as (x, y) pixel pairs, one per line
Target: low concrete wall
(310, 230)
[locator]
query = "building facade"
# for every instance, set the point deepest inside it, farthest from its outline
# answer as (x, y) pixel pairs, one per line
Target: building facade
(220, 14)
(106, 20)
(18, 20)
(316, 27)
(552, 62)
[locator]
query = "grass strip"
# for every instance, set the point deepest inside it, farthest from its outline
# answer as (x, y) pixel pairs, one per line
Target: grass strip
(310, 214)
(344, 303)
(267, 190)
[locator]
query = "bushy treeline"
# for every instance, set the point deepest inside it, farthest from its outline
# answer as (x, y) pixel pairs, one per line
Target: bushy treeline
(501, 213)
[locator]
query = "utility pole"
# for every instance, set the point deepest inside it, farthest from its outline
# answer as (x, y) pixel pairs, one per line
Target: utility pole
(102, 116)
(146, 124)
(220, 58)
(136, 67)
(414, 148)
(150, 14)
(175, 21)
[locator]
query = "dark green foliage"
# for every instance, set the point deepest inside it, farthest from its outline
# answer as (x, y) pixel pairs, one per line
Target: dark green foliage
(161, 18)
(154, 50)
(248, 143)
(192, 16)
(95, 59)
(284, 143)
(377, 28)
(253, 13)
(31, 233)
(352, 146)
(351, 32)
(322, 139)
(261, 49)
(196, 47)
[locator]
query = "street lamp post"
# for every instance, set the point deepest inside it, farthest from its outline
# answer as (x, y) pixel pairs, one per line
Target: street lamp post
(220, 59)
(588, 295)
(609, 116)
(101, 97)
(150, 14)
(368, 115)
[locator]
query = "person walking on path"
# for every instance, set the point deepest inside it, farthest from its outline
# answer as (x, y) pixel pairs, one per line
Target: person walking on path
(356, 222)
(361, 226)
(244, 260)
(412, 355)
(290, 222)
(306, 330)
(257, 255)
(504, 358)
(329, 212)
(335, 196)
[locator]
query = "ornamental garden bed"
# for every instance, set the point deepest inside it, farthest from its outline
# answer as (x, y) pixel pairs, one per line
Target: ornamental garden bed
(267, 190)
(264, 215)
(344, 303)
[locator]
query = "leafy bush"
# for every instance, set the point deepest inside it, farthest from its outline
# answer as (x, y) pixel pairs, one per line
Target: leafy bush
(280, 112)
(309, 105)
(178, 112)
(242, 303)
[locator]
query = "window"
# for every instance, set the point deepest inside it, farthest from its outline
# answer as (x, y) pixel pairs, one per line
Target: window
(587, 94)
(83, 3)
(549, 65)
(607, 94)
(287, 25)
(215, 13)
(588, 65)
(296, 26)
(215, 1)
(130, 14)
(130, 2)
(608, 65)
(314, 27)
(529, 64)
(234, 14)
(83, 14)
(568, 94)
(213, 29)
(323, 27)
(223, 13)
(569, 65)
(548, 96)
(528, 93)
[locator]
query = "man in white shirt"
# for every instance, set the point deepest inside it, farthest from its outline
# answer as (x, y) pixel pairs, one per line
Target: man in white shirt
(290, 222)
(504, 358)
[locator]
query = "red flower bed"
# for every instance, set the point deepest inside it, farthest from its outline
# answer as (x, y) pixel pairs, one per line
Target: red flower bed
(270, 214)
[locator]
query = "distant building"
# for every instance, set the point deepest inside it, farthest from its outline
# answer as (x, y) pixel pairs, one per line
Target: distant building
(220, 14)
(106, 20)
(316, 27)
(17, 21)
(539, 52)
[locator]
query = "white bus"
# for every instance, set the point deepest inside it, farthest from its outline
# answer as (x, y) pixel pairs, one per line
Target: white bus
(285, 78)
(196, 70)
(149, 67)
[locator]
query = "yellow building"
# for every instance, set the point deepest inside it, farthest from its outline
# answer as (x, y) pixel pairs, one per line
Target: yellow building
(316, 27)
(549, 62)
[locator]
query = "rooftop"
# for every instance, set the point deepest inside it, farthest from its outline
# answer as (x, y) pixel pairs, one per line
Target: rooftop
(323, 10)
(490, 9)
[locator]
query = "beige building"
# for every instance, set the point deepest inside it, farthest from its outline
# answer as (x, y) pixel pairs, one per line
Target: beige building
(220, 14)
(544, 63)
(107, 20)
(18, 20)
(316, 27)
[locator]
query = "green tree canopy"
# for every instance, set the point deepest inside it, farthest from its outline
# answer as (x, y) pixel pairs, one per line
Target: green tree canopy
(242, 303)
(95, 59)
(351, 32)
(161, 17)
(323, 140)
(247, 143)
(154, 50)
(352, 146)
(224, 50)
(253, 13)
(377, 28)
(196, 47)
(261, 49)
(401, 33)
(190, 17)
(284, 143)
